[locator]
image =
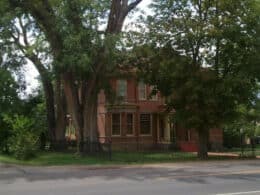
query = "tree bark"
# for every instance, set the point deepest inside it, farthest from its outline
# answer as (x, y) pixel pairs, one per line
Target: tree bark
(75, 108)
(90, 125)
(61, 117)
(118, 11)
(49, 100)
(203, 143)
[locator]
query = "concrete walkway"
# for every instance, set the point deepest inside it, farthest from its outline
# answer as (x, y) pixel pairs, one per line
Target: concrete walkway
(227, 154)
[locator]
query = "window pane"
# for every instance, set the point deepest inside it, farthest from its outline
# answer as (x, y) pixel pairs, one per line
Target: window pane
(145, 124)
(142, 90)
(121, 88)
(130, 125)
(116, 122)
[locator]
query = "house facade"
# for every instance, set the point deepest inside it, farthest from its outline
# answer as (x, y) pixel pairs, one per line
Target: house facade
(137, 120)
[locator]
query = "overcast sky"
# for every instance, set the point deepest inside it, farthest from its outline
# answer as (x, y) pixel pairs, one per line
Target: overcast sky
(31, 73)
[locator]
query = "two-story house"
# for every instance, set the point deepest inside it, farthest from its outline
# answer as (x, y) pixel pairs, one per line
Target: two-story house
(137, 120)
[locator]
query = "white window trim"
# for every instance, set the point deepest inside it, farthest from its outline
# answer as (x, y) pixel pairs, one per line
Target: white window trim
(133, 124)
(151, 124)
(117, 87)
(145, 91)
(120, 123)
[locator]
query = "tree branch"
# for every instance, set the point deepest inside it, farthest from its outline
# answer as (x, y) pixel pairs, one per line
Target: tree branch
(118, 11)
(131, 6)
(24, 31)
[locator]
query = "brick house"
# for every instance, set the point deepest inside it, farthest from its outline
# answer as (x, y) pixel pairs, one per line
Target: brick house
(137, 120)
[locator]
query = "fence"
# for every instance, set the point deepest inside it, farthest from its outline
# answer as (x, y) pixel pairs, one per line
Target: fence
(139, 150)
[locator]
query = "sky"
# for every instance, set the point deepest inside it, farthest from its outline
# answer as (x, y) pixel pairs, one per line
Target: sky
(31, 74)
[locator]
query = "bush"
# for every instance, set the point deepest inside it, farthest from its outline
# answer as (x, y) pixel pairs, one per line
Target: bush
(23, 142)
(232, 138)
(257, 133)
(5, 134)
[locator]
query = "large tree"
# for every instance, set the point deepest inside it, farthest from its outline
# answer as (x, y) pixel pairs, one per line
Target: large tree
(22, 41)
(201, 55)
(81, 51)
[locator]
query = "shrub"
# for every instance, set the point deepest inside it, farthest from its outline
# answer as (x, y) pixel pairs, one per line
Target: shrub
(23, 142)
(5, 134)
(257, 133)
(232, 138)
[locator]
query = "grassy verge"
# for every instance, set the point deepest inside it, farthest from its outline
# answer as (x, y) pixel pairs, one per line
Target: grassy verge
(118, 158)
(247, 150)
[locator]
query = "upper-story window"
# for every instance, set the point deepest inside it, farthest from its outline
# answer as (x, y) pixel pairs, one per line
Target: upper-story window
(142, 91)
(122, 88)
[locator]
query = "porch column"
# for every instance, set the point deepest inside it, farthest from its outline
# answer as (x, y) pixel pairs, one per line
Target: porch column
(167, 130)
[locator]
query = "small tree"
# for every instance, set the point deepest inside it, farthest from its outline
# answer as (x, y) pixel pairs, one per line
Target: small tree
(23, 141)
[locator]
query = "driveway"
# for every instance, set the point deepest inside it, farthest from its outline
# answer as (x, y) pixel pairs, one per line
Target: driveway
(197, 178)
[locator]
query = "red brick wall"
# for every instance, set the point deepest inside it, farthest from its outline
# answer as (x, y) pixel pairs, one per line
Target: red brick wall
(215, 139)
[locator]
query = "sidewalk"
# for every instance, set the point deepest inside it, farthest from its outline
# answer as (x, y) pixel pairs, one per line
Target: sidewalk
(226, 154)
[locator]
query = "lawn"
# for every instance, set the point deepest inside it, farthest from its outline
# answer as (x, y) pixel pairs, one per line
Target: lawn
(118, 158)
(247, 151)
(54, 158)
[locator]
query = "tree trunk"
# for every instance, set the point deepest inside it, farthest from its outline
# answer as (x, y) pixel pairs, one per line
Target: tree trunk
(49, 96)
(90, 125)
(83, 112)
(203, 143)
(74, 107)
(61, 117)
(49, 99)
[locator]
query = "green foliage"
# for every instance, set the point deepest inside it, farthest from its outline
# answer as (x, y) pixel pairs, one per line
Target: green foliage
(9, 101)
(246, 122)
(258, 130)
(199, 96)
(23, 141)
(231, 137)
(5, 134)
(8, 90)
(200, 55)
(22, 126)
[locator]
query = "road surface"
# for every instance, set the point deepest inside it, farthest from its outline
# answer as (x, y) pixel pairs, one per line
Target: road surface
(197, 178)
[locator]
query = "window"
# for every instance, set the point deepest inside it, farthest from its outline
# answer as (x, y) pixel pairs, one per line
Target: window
(145, 124)
(116, 124)
(142, 91)
(130, 124)
(153, 97)
(121, 88)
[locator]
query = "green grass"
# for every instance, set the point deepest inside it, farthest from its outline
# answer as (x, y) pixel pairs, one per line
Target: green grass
(54, 158)
(247, 150)
(118, 158)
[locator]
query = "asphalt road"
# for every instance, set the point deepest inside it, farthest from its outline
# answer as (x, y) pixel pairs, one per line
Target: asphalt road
(198, 178)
